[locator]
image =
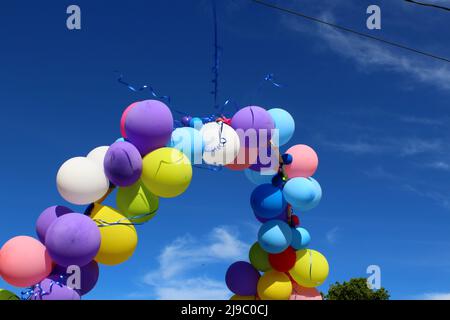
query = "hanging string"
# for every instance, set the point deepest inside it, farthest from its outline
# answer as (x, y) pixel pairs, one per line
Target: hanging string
(217, 49)
(125, 221)
(142, 88)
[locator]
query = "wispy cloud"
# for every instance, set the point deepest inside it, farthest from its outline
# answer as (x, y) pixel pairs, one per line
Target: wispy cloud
(439, 165)
(332, 235)
(181, 262)
(367, 54)
(435, 296)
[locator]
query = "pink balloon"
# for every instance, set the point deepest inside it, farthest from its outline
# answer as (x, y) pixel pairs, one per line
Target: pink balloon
(301, 293)
(24, 261)
(124, 118)
(304, 163)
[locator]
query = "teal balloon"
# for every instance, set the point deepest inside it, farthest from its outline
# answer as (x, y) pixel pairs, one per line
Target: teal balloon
(196, 123)
(257, 178)
(299, 192)
(300, 238)
(275, 236)
(317, 198)
(121, 140)
(190, 142)
(285, 124)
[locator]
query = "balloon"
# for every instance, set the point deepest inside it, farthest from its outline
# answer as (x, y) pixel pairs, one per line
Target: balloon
(301, 293)
(304, 163)
(81, 181)
(186, 121)
(300, 238)
(242, 278)
(120, 140)
(254, 125)
(238, 298)
(299, 192)
(283, 261)
(124, 118)
(282, 216)
(259, 258)
(136, 201)
(167, 172)
(118, 241)
(310, 269)
(284, 124)
(315, 202)
(275, 236)
(274, 285)
(267, 201)
(24, 261)
(148, 125)
(49, 289)
(196, 123)
(98, 155)
(47, 217)
(258, 178)
(221, 143)
(190, 142)
(123, 164)
(6, 295)
(245, 158)
(268, 159)
(88, 277)
(73, 239)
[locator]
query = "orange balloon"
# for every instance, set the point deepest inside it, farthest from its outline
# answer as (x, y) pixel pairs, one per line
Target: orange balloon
(245, 158)
(24, 261)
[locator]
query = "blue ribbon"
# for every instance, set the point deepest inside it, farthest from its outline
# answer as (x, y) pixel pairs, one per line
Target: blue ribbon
(142, 88)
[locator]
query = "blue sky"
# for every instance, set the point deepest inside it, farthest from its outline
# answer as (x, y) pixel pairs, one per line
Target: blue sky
(377, 116)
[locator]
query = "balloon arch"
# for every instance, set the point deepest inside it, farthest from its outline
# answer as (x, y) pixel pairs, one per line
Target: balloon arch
(153, 159)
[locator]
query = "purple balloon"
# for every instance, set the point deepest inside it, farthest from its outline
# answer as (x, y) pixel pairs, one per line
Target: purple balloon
(49, 289)
(89, 276)
(46, 219)
(256, 118)
(123, 164)
(149, 125)
(186, 121)
(73, 239)
(242, 279)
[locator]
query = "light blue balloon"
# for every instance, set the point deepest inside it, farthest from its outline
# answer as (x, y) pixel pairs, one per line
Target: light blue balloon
(190, 142)
(300, 238)
(317, 197)
(257, 177)
(299, 192)
(121, 140)
(196, 123)
(285, 124)
(275, 236)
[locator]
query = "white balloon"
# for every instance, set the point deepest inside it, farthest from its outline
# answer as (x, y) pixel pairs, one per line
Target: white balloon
(98, 155)
(221, 143)
(81, 181)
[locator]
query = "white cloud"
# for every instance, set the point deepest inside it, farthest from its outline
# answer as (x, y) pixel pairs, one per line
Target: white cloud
(174, 279)
(332, 235)
(436, 296)
(367, 53)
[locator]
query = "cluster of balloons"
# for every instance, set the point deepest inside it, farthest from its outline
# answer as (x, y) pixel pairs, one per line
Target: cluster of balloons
(154, 160)
(290, 271)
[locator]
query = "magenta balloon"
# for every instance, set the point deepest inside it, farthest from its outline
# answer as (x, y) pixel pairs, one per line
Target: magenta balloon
(242, 279)
(123, 164)
(256, 118)
(89, 276)
(149, 125)
(73, 239)
(49, 289)
(47, 217)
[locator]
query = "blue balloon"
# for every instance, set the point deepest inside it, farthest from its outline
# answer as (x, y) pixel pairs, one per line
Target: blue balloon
(257, 177)
(300, 238)
(285, 124)
(190, 142)
(267, 201)
(275, 236)
(196, 123)
(299, 192)
(317, 198)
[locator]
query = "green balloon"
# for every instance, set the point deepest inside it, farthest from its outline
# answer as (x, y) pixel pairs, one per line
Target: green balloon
(136, 200)
(259, 258)
(7, 295)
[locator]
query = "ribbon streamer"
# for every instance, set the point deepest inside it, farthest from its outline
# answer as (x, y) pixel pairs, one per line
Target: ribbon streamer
(142, 88)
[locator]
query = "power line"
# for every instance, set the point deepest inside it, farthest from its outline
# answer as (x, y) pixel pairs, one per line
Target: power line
(425, 4)
(342, 28)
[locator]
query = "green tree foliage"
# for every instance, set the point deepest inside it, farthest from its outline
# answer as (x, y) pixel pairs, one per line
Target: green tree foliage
(355, 289)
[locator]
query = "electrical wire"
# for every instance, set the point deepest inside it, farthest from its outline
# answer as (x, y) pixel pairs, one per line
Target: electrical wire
(425, 4)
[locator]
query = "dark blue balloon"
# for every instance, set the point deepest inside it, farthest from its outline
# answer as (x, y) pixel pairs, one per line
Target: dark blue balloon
(267, 201)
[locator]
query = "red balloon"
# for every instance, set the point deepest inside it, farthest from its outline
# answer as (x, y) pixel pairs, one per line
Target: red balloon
(295, 220)
(284, 261)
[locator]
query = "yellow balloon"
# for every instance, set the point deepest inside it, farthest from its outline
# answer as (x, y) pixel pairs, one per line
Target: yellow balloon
(166, 172)
(236, 297)
(118, 242)
(274, 285)
(311, 268)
